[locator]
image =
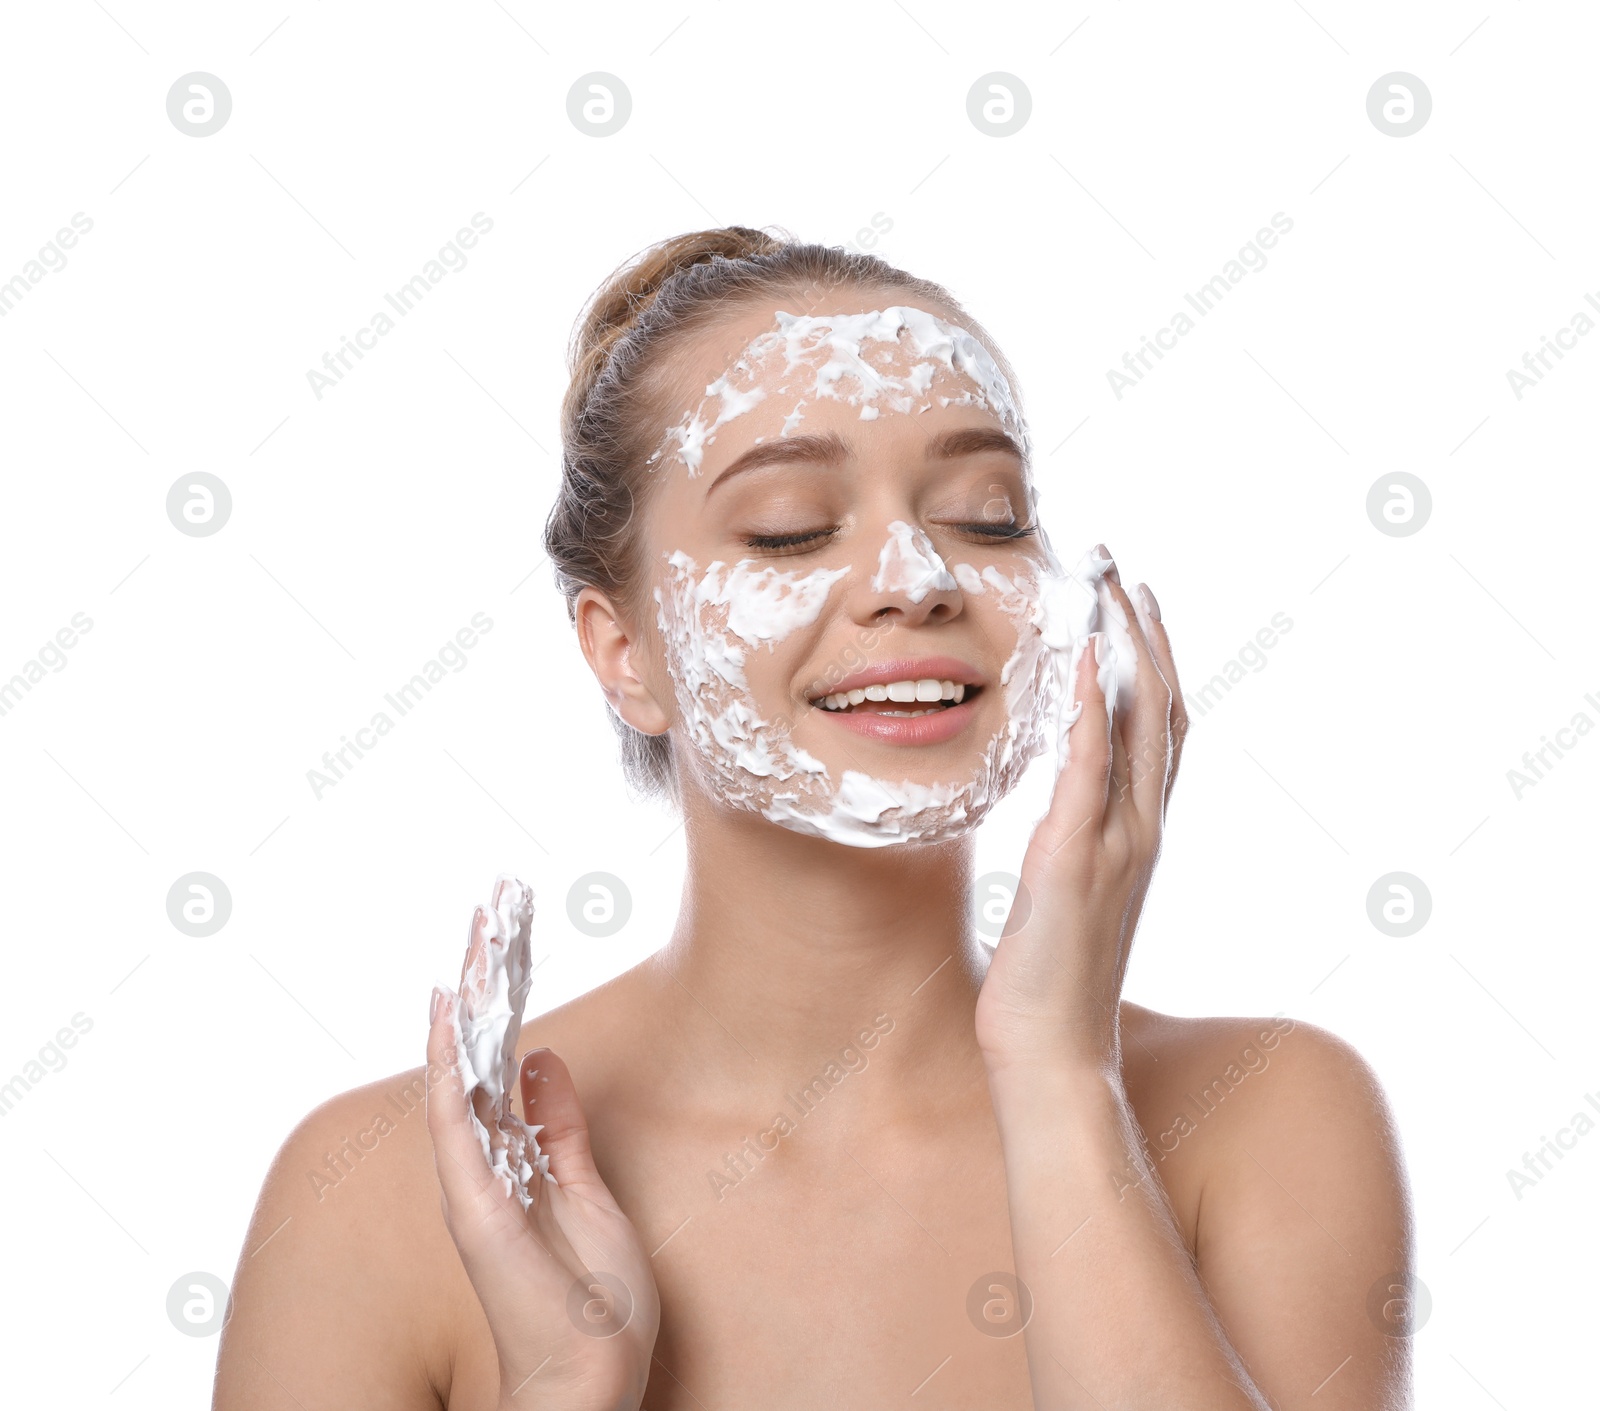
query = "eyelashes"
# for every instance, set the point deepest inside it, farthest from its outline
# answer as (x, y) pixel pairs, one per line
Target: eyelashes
(816, 538)
(773, 542)
(1002, 531)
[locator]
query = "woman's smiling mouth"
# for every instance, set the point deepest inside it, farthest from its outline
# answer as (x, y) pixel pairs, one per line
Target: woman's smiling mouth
(914, 702)
(896, 697)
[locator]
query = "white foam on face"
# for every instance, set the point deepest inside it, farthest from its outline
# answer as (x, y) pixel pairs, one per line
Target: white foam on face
(968, 579)
(487, 1022)
(711, 621)
(823, 358)
(765, 604)
(1055, 614)
(751, 761)
(910, 564)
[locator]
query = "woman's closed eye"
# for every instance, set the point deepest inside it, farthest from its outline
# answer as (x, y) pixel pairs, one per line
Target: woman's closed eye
(805, 540)
(777, 543)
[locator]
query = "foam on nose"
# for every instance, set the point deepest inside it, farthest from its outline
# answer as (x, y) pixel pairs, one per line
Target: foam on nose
(908, 563)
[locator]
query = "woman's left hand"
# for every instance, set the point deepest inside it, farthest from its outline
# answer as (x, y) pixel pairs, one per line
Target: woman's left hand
(1054, 986)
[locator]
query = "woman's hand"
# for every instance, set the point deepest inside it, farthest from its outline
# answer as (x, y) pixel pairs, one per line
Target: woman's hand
(1055, 983)
(560, 1271)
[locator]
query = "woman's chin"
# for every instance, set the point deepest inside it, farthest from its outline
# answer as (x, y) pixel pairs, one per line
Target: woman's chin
(876, 795)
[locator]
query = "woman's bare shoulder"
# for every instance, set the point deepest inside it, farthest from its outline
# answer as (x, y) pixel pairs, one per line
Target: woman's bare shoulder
(1277, 1142)
(1161, 1051)
(1149, 1035)
(1216, 1097)
(348, 1281)
(348, 1284)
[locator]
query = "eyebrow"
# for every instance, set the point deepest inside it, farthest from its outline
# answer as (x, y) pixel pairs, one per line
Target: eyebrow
(829, 448)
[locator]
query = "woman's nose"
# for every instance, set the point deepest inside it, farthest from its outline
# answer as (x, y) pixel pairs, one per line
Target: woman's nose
(909, 577)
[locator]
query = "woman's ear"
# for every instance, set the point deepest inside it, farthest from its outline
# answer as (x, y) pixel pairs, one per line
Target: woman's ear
(611, 651)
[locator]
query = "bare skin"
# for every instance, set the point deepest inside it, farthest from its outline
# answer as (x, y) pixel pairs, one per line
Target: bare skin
(808, 1280)
(838, 1268)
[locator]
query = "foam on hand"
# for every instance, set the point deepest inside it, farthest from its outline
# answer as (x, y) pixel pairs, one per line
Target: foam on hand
(1069, 609)
(487, 1019)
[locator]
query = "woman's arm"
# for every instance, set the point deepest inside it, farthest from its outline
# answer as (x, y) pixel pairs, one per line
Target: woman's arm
(1303, 1214)
(1305, 1237)
(1122, 1317)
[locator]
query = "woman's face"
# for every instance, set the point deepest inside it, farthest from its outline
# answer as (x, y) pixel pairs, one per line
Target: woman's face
(848, 508)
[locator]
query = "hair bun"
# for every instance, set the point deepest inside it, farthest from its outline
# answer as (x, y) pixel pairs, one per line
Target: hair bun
(633, 286)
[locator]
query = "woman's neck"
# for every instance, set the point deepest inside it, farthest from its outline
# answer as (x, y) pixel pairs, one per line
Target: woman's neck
(793, 946)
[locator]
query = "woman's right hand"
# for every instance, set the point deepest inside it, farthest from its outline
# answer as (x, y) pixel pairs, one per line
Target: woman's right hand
(563, 1278)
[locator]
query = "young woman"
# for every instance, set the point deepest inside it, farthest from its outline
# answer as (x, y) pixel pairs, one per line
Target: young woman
(833, 1150)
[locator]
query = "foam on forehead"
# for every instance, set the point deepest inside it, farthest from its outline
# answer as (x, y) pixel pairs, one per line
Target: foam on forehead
(840, 363)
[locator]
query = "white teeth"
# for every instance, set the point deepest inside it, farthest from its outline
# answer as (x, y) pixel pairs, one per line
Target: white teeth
(925, 688)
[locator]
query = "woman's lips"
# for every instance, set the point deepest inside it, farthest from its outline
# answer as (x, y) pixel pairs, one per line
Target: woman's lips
(931, 729)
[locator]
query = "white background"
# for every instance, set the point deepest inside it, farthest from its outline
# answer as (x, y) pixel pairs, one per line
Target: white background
(369, 526)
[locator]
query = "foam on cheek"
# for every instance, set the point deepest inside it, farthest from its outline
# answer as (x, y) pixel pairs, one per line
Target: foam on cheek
(712, 621)
(968, 579)
(1055, 613)
(765, 604)
(1074, 606)
(709, 623)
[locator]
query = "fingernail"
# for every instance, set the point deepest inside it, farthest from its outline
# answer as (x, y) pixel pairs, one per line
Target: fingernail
(1098, 638)
(1150, 604)
(433, 1005)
